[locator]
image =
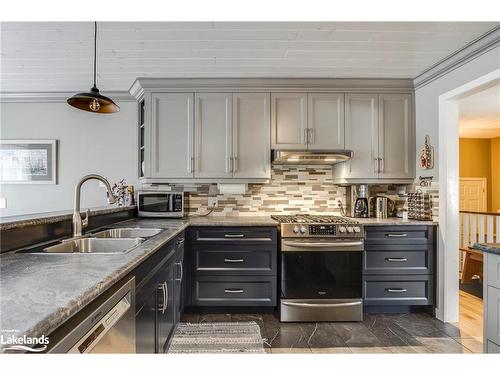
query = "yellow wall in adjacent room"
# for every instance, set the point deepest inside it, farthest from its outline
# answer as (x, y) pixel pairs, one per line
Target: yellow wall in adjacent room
(495, 174)
(475, 161)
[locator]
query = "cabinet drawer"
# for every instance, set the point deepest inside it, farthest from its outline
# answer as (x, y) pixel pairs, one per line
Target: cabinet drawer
(234, 291)
(416, 262)
(411, 234)
(493, 269)
(265, 235)
(234, 260)
(397, 290)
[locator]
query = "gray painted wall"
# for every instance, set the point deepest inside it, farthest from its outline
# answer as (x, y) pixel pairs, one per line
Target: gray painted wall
(88, 143)
(426, 101)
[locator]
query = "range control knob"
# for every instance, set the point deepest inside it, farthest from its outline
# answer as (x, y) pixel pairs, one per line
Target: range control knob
(296, 229)
(357, 229)
(303, 229)
(342, 229)
(350, 229)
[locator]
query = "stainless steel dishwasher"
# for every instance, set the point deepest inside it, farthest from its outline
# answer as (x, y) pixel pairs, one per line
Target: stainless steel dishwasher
(107, 325)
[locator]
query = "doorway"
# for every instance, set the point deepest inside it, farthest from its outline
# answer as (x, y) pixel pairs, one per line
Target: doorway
(451, 307)
(449, 217)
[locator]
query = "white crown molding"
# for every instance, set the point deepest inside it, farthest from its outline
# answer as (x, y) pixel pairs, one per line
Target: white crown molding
(469, 52)
(56, 97)
(271, 84)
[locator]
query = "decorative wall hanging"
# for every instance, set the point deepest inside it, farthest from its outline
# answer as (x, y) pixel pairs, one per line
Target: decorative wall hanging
(28, 161)
(427, 154)
(425, 181)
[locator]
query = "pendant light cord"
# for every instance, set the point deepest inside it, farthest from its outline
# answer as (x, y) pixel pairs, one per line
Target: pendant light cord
(95, 51)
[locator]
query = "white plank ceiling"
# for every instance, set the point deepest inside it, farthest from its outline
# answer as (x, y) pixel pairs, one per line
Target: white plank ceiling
(58, 56)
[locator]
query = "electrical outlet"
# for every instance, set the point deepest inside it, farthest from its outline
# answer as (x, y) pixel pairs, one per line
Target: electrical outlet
(212, 202)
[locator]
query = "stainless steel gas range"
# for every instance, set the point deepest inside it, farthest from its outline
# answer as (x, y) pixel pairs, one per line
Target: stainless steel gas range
(321, 268)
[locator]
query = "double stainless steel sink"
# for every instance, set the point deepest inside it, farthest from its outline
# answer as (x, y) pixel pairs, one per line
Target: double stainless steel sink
(109, 241)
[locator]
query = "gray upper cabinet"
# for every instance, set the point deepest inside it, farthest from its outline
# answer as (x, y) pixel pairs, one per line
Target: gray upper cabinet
(361, 135)
(325, 122)
(289, 121)
(396, 139)
(251, 135)
(171, 138)
(213, 135)
(379, 129)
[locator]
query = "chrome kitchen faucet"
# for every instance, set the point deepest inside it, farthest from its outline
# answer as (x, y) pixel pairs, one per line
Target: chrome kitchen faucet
(78, 223)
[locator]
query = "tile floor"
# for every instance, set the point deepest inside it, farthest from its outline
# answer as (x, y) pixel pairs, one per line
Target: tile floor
(395, 333)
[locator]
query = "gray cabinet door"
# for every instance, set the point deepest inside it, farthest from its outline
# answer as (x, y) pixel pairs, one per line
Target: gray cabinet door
(171, 137)
(492, 323)
(396, 136)
(289, 121)
(213, 135)
(361, 136)
(251, 135)
(325, 121)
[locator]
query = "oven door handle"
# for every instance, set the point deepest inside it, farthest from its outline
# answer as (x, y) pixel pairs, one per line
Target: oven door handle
(308, 304)
(336, 246)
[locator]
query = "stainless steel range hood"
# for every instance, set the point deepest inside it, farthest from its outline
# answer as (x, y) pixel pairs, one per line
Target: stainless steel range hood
(310, 157)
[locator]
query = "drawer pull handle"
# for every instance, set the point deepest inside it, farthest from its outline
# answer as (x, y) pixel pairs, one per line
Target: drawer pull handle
(396, 235)
(233, 260)
(396, 290)
(236, 235)
(396, 259)
(233, 291)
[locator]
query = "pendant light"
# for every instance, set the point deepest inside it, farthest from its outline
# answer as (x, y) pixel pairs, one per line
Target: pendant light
(92, 101)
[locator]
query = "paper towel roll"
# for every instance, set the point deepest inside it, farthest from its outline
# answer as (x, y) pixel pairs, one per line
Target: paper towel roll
(232, 188)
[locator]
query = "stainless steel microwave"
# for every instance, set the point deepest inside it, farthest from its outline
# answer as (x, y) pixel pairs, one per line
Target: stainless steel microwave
(160, 204)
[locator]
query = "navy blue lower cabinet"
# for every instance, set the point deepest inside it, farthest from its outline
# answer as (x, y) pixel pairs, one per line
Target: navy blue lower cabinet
(233, 266)
(398, 290)
(159, 291)
(235, 291)
(398, 267)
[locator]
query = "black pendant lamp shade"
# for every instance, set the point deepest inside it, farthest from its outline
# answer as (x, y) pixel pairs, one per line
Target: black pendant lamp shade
(92, 101)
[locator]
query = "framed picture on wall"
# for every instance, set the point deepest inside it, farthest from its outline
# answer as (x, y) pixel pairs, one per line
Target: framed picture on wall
(28, 161)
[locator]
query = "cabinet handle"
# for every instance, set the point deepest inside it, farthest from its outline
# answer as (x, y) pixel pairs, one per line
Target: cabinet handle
(180, 241)
(381, 165)
(310, 136)
(376, 164)
(396, 235)
(396, 259)
(164, 289)
(395, 290)
(306, 140)
(233, 260)
(233, 291)
(235, 235)
(235, 164)
(182, 271)
(192, 164)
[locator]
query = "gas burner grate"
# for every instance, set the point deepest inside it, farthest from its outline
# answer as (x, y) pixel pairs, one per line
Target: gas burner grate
(310, 219)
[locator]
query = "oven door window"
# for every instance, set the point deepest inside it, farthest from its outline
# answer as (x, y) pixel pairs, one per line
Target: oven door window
(321, 274)
(154, 203)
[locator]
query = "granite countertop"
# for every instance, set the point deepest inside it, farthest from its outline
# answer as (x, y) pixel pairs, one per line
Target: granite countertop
(493, 248)
(231, 220)
(20, 221)
(39, 292)
(394, 221)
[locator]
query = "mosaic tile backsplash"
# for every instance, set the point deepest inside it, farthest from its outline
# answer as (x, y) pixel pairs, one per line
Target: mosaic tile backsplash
(290, 190)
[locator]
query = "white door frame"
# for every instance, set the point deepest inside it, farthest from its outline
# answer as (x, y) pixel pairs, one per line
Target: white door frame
(449, 224)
